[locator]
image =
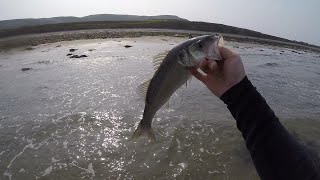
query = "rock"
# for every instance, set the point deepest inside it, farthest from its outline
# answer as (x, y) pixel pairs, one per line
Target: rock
(261, 50)
(44, 62)
(58, 46)
(26, 69)
(72, 50)
(69, 54)
(294, 51)
(29, 48)
(74, 56)
(127, 46)
(91, 49)
(77, 56)
(272, 64)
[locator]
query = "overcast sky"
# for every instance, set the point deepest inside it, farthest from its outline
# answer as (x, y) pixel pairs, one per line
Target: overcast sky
(292, 19)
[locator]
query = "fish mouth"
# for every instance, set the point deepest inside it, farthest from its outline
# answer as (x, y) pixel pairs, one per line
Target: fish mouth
(206, 48)
(213, 51)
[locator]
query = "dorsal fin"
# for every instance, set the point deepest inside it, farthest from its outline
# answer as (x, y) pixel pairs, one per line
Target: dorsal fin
(158, 59)
(142, 89)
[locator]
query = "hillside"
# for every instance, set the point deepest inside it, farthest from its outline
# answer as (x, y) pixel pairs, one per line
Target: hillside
(111, 21)
(17, 23)
(158, 24)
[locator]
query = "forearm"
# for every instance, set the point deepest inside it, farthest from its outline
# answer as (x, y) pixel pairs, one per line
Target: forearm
(275, 153)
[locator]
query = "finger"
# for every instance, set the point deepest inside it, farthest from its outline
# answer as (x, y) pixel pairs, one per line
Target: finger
(198, 75)
(204, 66)
(225, 53)
(203, 63)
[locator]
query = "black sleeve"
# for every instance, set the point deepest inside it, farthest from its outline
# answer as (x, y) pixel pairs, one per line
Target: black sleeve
(275, 153)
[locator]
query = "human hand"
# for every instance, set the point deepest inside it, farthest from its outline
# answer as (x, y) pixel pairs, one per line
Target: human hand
(221, 75)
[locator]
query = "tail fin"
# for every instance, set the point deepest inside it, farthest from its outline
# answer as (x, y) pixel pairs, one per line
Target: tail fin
(144, 130)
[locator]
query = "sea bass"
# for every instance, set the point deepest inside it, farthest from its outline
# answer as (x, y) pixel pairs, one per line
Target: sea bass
(172, 72)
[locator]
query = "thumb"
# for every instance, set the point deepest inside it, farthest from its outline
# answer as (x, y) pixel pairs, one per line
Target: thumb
(213, 66)
(225, 53)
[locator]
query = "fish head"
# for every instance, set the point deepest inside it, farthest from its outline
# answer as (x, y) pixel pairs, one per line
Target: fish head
(203, 47)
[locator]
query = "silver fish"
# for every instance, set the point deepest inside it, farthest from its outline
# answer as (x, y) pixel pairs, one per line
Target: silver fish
(172, 72)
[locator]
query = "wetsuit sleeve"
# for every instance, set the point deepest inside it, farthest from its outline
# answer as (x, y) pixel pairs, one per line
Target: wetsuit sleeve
(275, 153)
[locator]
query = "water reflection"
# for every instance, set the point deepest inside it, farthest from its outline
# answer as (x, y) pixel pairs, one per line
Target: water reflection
(73, 119)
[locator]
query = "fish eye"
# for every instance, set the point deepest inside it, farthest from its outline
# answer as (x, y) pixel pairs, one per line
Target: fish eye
(200, 45)
(181, 55)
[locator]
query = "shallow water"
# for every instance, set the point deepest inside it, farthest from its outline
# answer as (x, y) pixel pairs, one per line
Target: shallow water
(73, 118)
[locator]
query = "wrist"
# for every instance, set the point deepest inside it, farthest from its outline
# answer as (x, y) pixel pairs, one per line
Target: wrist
(226, 85)
(236, 91)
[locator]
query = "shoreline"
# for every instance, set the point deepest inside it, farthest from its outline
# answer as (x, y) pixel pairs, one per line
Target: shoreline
(45, 38)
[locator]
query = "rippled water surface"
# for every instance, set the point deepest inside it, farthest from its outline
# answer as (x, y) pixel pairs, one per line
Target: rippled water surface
(73, 118)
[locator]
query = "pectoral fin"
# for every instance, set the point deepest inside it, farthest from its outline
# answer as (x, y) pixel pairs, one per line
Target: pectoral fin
(142, 89)
(188, 78)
